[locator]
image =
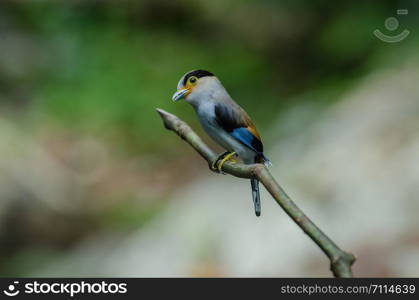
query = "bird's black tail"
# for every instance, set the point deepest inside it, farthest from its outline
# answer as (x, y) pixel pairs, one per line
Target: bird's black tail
(256, 196)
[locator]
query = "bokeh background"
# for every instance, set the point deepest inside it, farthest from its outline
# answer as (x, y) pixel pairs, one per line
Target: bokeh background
(91, 184)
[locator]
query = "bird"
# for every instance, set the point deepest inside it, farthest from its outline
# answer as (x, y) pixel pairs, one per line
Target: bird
(226, 122)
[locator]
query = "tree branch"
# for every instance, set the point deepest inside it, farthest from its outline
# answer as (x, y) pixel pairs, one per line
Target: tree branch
(340, 261)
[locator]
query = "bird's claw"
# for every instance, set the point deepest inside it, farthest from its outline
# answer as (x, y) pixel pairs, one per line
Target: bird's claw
(214, 165)
(218, 163)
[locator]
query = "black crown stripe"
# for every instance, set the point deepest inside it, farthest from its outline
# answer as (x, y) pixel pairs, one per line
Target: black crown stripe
(196, 73)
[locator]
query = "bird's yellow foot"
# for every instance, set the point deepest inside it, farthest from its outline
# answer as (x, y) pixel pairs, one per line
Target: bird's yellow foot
(226, 157)
(215, 162)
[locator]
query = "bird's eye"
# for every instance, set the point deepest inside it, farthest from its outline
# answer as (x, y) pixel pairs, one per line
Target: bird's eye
(192, 80)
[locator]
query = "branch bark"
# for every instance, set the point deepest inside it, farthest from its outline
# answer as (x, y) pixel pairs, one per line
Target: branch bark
(340, 261)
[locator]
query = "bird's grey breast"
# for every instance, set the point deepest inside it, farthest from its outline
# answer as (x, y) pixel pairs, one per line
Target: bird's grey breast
(208, 120)
(206, 115)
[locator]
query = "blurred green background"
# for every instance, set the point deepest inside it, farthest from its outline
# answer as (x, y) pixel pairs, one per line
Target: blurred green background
(86, 160)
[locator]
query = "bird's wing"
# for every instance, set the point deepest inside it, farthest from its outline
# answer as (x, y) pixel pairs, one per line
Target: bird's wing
(237, 123)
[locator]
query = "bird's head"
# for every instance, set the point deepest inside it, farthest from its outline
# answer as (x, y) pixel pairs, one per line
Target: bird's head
(193, 84)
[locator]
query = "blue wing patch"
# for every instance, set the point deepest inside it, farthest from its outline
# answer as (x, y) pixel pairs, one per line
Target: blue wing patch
(247, 138)
(230, 120)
